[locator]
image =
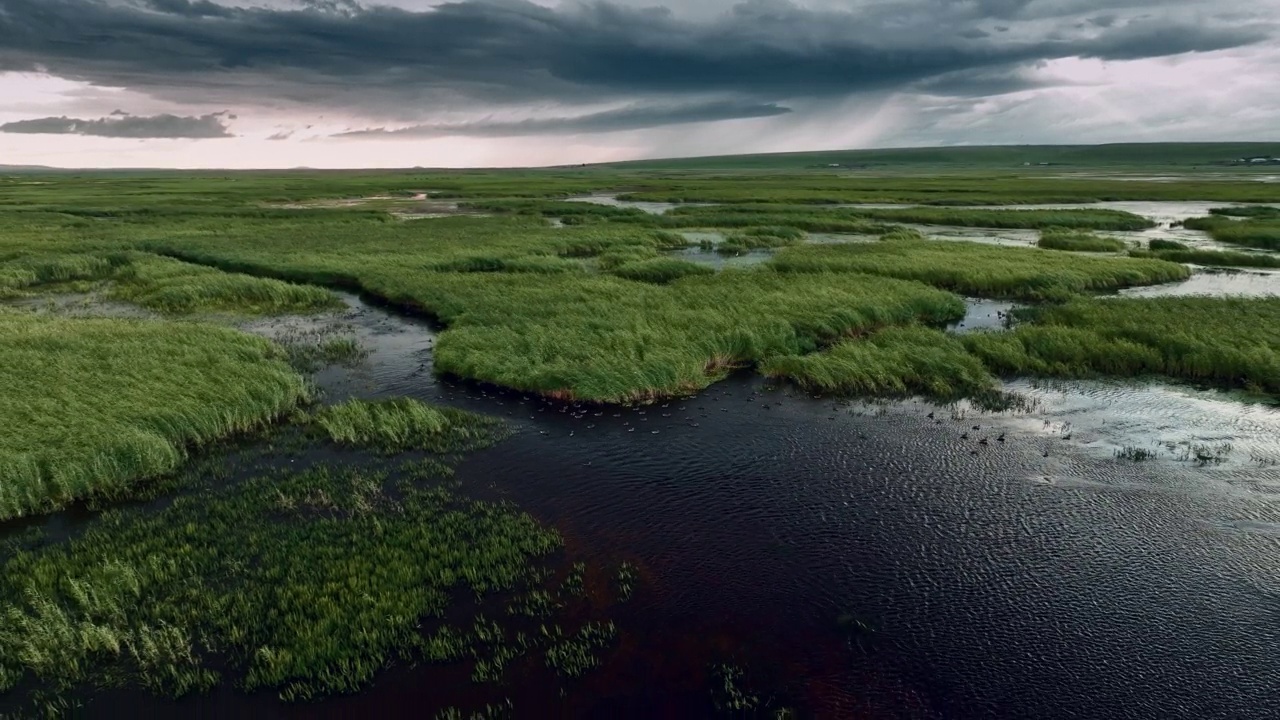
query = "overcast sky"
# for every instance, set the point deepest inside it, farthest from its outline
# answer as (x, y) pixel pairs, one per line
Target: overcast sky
(397, 83)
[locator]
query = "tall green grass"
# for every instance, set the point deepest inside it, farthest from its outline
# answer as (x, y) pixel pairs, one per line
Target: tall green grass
(1257, 233)
(1075, 241)
(406, 424)
(93, 406)
(892, 362)
(1212, 258)
(981, 269)
(660, 270)
(1230, 342)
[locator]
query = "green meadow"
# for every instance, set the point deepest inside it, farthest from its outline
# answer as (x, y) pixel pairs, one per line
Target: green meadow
(213, 582)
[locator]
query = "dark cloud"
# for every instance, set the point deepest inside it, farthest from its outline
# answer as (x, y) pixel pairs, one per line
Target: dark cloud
(628, 118)
(499, 52)
(123, 125)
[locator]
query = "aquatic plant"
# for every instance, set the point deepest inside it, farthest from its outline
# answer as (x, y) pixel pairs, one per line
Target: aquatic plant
(1231, 342)
(1158, 245)
(895, 361)
(660, 270)
(401, 424)
(1212, 258)
(308, 583)
(1135, 454)
(1074, 241)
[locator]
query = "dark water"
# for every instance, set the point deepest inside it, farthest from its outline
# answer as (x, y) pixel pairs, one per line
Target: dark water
(1031, 577)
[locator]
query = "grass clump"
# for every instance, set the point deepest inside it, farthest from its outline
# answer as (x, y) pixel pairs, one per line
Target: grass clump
(1159, 245)
(759, 238)
(981, 270)
(404, 424)
(1230, 342)
(660, 270)
(1009, 219)
(1212, 258)
(95, 405)
(1257, 233)
(172, 286)
(1075, 241)
(1248, 211)
(895, 362)
(307, 583)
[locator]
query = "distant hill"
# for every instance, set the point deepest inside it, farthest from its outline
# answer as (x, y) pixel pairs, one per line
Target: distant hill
(1138, 155)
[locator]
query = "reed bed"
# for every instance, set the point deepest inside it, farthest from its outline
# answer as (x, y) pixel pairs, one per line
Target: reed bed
(979, 269)
(402, 424)
(1075, 241)
(1212, 258)
(893, 362)
(1256, 233)
(93, 406)
(1230, 342)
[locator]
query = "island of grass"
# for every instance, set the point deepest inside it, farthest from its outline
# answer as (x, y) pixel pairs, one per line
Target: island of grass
(1262, 232)
(93, 406)
(1075, 241)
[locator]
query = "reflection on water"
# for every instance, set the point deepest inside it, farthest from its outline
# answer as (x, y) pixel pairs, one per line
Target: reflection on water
(983, 314)
(611, 199)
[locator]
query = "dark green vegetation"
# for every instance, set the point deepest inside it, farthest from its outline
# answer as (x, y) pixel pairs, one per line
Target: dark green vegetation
(1073, 241)
(1211, 258)
(1159, 245)
(92, 406)
(892, 362)
(306, 583)
(1221, 341)
(1261, 233)
(980, 269)
(1248, 211)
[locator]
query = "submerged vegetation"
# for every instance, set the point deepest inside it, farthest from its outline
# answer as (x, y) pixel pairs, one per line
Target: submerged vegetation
(1229, 342)
(306, 583)
(406, 424)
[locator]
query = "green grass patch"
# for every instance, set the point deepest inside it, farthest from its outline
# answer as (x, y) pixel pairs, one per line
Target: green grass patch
(1248, 211)
(1076, 241)
(1263, 233)
(92, 406)
(660, 270)
(981, 269)
(1159, 245)
(1229, 342)
(407, 424)
(894, 362)
(1212, 258)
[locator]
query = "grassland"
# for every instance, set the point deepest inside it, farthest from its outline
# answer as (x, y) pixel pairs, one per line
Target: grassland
(1073, 241)
(402, 424)
(93, 406)
(980, 269)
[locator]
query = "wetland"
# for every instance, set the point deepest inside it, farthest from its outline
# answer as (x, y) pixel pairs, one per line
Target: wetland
(474, 448)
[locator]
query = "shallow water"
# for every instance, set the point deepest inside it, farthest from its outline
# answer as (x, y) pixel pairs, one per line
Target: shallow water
(611, 199)
(1034, 576)
(982, 314)
(1215, 282)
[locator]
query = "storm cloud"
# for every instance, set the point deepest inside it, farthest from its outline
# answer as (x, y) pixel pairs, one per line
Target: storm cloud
(490, 51)
(122, 125)
(627, 118)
